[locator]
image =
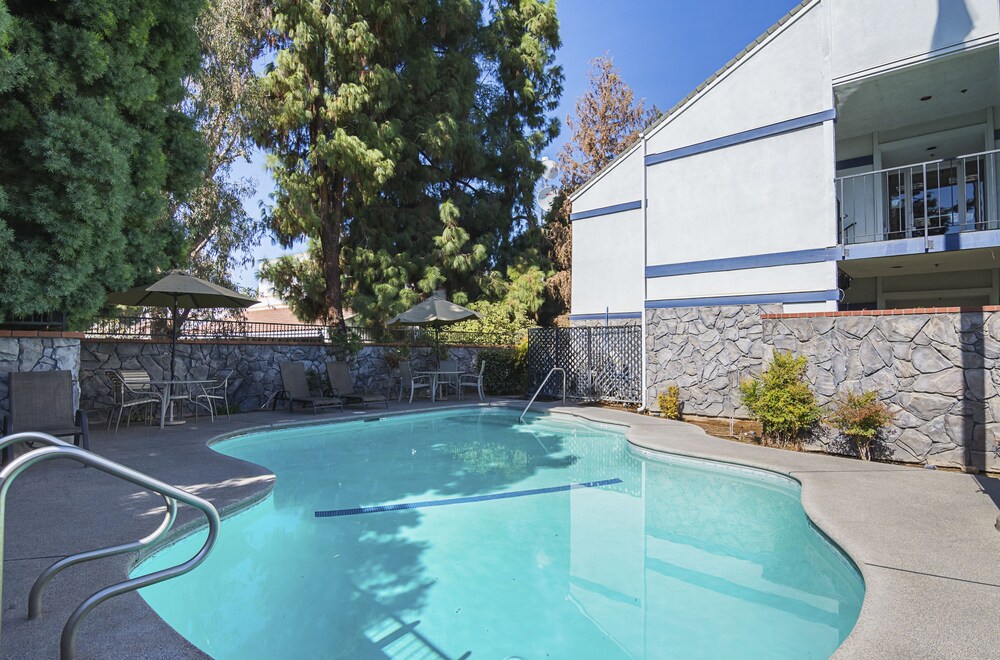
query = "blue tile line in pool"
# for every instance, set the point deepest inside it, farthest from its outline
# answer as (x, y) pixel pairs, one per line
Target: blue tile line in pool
(464, 500)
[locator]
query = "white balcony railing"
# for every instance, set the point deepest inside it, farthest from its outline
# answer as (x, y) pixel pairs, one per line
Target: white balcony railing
(925, 199)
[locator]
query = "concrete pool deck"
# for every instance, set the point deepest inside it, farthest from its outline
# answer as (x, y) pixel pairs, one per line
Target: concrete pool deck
(924, 540)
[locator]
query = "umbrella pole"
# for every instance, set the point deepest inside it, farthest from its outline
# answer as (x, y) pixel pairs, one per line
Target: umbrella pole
(173, 337)
(437, 346)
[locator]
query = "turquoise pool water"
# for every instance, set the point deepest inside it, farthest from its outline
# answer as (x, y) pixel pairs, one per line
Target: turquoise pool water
(552, 539)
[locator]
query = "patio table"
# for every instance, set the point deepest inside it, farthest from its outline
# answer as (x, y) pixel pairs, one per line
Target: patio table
(165, 389)
(438, 378)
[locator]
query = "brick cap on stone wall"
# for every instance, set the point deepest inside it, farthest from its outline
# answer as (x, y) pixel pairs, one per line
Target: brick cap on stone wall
(41, 334)
(885, 312)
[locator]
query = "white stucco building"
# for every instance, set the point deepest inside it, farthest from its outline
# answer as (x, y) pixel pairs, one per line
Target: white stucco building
(844, 160)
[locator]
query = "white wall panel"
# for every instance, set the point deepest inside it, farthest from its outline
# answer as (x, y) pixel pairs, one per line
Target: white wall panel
(747, 282)
(607, 264)
(788, 78)
(869, 34)
(621, 184)
(761, 197)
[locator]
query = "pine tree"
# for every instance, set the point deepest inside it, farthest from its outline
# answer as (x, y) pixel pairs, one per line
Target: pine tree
(472, 87)
(92, 144)
(330, 125)
(608, 121)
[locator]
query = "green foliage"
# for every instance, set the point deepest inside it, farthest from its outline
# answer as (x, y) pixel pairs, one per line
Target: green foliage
(862, 418)
(223, 101)
(498, 319)
(670, 402)
(506, 369)
(462, 109)
(781, 399)
(346, 343)
(331, 121)
(93, 144)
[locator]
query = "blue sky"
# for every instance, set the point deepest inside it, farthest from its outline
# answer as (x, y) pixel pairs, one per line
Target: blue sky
(664, 49)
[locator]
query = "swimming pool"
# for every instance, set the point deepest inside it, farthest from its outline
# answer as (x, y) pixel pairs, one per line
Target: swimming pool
(455, 533)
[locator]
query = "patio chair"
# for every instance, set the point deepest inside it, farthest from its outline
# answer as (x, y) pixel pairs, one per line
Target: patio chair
(293, 380)
(473, 381)
(339, 374)
(43, 401)
(210, 395)
(449, 380)
(131, 389)
(416, 382)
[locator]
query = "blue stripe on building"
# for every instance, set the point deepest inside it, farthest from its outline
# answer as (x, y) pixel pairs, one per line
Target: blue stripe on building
(612, 316)
(606, 210)
(966, 240)
(753, 299)
(743, 137)
(790, 258)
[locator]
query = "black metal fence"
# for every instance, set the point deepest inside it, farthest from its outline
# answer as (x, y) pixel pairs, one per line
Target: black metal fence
(157, 328)
(601, 363)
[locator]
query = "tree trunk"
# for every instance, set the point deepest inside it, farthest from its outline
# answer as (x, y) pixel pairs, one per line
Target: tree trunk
(331, 227)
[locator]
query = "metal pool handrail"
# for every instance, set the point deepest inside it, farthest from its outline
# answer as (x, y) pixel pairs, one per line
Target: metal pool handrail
(58, 449)
(538, 391)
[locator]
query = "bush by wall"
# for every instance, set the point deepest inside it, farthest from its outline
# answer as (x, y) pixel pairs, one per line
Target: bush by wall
(670, 402)
(863, 419)
(506, 369)
(781, 400)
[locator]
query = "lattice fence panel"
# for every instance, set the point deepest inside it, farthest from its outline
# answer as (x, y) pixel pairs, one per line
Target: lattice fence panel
(600, 363)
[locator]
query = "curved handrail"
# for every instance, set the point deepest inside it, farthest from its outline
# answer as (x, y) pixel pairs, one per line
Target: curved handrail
(539, 390)
(60, 449)
(35, 597)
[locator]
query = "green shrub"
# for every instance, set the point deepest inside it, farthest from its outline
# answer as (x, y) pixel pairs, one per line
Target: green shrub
(670, 402)
(506, 369)
(862, 418)
(781, 399)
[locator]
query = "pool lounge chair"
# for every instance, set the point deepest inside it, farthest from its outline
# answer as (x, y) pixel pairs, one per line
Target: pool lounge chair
(43, 401)
(343, 386)
(293, 380)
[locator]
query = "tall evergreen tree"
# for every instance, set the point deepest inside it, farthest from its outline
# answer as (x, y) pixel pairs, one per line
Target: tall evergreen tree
(608, 121)
(471, 123)
(92, 144)
(330, 127)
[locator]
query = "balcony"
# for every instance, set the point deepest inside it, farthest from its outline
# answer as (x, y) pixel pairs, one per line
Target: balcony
(930, 206)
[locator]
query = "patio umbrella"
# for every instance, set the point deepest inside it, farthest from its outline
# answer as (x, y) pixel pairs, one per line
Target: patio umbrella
(434, 312)
(179, 289)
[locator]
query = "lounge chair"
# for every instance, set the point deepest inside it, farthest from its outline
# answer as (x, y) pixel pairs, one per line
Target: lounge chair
(416, 382)
(473, 381)
(43, 401)
(293, 380)
(343, 386)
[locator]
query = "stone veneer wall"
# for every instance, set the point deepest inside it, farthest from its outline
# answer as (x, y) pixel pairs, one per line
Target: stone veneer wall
(705, 351)
(255, 365)
(935, 368)
(37, 351)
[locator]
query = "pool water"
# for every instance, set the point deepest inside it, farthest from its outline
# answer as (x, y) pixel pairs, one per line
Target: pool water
(552, 539)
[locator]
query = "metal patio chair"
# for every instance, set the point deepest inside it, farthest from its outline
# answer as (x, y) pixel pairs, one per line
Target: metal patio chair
(473, 381)
(210, 395)
(416, 382)
(131, 389)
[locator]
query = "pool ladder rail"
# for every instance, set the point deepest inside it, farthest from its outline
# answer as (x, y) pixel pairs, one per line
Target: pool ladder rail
(539, 390)
(55, 448)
